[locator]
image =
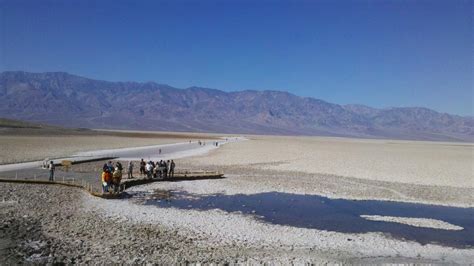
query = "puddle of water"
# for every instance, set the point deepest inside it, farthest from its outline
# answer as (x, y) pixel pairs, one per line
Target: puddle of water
(340, 215)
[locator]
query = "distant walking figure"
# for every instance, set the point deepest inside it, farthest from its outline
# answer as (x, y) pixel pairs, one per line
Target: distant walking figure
(159, 151)
(51, 168)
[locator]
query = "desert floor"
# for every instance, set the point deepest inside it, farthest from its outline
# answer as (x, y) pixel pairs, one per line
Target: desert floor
(31, 147)
(409, 171)
(410, 162)
(338, 168)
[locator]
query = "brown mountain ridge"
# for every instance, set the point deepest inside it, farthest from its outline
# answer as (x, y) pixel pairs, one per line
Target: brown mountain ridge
(63, 99)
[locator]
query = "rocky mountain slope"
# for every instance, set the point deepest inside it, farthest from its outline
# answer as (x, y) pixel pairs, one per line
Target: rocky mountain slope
(63, 99)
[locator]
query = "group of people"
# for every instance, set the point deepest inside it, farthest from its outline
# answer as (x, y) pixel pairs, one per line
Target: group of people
(162, 169)
(111, 177)
(112, 174)
(203, 143)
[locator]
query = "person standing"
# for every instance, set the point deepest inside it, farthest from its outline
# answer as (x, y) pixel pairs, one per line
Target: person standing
(165, 170)
(130, 170)
(106, 179)
(161, 167)
(116, 179)
(172, 165)
(149, 170)
(51, 168)
(110, 166)
(168, 168)
(142, 166)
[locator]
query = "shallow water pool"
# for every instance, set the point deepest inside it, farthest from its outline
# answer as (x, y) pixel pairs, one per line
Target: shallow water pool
(340, 215)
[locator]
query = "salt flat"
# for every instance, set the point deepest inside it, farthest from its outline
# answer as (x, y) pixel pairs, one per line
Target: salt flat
(410, 162)
(22, 145)
(341, 168)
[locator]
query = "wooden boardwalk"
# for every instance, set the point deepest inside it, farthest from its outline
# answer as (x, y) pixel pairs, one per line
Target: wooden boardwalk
(94, 189)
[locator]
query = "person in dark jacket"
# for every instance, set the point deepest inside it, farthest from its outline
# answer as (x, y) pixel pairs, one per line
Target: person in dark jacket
(165, 169)
(172, 165)
(51, 168)
(130, 169)
(142, 167)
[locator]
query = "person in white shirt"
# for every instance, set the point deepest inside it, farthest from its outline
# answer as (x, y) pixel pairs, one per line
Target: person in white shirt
(149, 169)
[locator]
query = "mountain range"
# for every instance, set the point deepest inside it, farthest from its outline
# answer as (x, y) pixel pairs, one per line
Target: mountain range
(63, 99)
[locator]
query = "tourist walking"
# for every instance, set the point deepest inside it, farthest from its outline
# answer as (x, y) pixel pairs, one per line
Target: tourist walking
(51, 168)
(130, 170)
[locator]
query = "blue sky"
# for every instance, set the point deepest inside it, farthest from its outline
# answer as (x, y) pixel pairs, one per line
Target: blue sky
(378, 53)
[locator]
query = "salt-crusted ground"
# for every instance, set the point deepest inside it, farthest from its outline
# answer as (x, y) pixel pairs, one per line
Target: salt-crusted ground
(418, 222)
(300, 245)
(411, 162)
(24, 147)
(439, 173)
(408, 171)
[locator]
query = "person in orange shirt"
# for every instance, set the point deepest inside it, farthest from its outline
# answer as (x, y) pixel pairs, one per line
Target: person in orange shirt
(106, 179)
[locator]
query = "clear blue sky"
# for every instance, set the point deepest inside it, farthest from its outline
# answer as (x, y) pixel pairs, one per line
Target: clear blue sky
(378, 53)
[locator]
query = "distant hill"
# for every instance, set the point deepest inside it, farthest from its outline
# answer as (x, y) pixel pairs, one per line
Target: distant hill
(63, 99)
(10, 123)
(18, 127)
